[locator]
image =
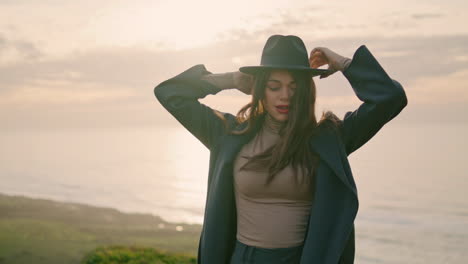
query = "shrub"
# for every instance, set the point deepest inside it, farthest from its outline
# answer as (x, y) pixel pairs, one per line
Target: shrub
(135, 255)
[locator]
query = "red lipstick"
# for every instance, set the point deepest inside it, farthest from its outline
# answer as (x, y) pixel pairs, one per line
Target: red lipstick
(283, 109)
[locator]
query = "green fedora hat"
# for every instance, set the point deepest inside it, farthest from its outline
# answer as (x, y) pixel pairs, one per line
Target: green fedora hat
(284, 52)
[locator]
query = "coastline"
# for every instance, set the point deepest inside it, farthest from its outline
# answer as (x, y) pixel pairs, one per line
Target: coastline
(46, 231)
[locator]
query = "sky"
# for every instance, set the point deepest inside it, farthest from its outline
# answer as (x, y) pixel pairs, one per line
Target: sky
(79, 120)
(85, 64)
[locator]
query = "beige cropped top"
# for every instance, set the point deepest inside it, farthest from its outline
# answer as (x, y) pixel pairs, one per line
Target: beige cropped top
(274, 215)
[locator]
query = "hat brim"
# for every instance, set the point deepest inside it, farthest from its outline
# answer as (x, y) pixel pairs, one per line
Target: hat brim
(255, 69)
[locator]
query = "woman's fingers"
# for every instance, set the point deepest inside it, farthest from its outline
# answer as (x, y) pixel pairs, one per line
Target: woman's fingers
(317, 58)
(316, 62)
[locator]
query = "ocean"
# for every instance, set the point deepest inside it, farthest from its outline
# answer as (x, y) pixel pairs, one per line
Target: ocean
(411, 180)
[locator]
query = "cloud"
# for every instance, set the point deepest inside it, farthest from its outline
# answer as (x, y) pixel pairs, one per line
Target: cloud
(113, 82)
(134, 68)
(12, 51)
(64, 93)
(440, 90)
(427, 15)
(105, 68)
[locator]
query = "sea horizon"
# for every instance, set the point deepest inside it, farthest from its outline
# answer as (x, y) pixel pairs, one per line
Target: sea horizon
(410, 188)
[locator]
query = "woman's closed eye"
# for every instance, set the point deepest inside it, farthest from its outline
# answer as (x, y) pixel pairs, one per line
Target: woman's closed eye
(273, 87)
(277, 88)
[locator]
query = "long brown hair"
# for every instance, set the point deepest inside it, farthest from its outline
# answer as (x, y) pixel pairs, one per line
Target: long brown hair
(292, 147)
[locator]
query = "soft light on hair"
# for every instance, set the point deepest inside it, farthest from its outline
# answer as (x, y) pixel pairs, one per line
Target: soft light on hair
(292, 148)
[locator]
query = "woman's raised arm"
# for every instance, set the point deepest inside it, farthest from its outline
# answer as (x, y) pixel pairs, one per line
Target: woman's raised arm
(179, 95)
(383, 99)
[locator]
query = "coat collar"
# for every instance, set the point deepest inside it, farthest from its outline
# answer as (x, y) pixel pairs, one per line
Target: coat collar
(220, 210)
(325, 143)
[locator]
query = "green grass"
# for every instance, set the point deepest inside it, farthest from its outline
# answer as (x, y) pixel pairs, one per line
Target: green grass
(135, 255)
(42, 231)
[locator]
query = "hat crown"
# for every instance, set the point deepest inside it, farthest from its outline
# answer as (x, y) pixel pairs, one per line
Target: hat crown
(282, 50)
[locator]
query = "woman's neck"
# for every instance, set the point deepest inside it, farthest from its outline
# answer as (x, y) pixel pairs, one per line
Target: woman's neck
(272, 124)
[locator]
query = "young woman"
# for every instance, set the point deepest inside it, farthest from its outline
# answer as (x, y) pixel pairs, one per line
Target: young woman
(280, 187)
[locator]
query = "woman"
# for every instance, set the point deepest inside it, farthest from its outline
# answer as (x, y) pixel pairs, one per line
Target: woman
(280, 188)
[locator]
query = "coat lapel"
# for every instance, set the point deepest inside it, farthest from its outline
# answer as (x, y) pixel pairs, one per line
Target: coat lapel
(220, 215)
(335, 203)
(325, 144)
(220, 222)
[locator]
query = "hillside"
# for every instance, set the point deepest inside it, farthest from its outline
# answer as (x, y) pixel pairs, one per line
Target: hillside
(43, 231)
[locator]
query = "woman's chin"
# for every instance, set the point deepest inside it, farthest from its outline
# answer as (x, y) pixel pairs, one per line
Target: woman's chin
(281, 118)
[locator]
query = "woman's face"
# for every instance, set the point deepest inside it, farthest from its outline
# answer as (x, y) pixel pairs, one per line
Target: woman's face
(279, 90)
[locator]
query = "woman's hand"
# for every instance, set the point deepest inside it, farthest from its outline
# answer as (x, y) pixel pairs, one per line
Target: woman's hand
(243, 82)
(320, 56)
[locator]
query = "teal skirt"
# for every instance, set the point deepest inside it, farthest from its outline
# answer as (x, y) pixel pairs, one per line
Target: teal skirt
(244, 254)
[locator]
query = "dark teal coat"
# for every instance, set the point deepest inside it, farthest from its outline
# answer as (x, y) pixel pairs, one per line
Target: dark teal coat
(330, 234)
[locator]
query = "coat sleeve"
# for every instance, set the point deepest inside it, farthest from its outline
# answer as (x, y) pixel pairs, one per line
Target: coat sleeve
(179, 95)
(383, 98)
